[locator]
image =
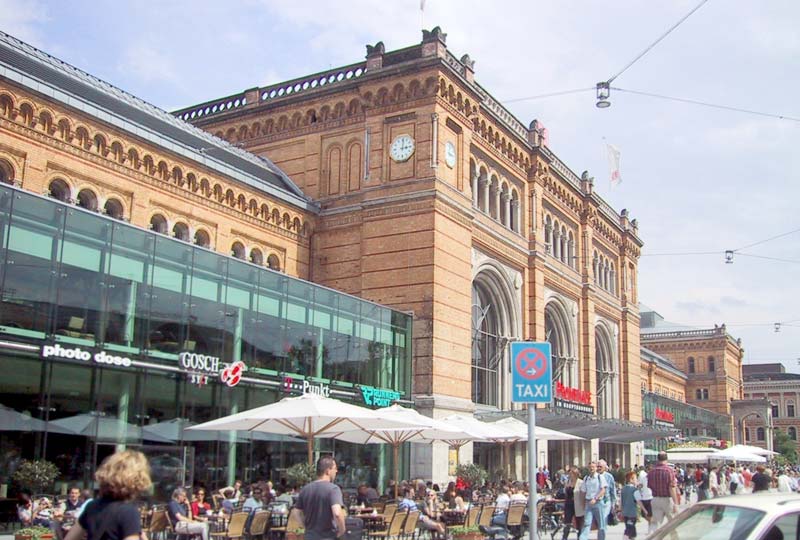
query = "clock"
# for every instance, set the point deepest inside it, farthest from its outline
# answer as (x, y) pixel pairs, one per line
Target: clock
(402, 148)
(450, 154)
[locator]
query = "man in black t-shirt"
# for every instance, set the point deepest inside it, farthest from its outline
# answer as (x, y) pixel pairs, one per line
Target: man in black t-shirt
(321, 503)
(702, 483)
(107, 519)
(760, 480)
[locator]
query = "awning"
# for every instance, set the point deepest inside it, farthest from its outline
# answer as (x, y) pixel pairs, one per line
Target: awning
(608, 430)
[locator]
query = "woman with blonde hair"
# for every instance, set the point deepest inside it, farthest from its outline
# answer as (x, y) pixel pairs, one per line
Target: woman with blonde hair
(120, 479)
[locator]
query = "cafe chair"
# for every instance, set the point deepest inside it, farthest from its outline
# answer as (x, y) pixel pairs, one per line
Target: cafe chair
(292, 524)
(159, 525)
(235, 527)
(512, 527)
(258, 527)
(472, 516)
(410, 525)
(394, 529)
(486, 516)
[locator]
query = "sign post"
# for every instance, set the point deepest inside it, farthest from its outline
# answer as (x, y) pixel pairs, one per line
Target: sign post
(531, 383)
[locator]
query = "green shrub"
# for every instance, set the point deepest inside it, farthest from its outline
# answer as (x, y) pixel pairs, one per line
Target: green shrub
(300, 474)
(35, 532)
(474, 475)
(37, 475)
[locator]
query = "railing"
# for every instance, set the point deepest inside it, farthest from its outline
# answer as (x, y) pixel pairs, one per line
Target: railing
(562, 168)
(683, 333)
(275, 91)
(455, 63)
(610, 213)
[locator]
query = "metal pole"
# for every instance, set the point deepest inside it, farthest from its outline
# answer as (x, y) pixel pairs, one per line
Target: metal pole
(532, 521)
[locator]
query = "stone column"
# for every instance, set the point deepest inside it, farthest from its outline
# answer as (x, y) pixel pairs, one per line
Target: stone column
(515, 215)
(475, 190)
(485, 186)
(496, 197)
(506, 202)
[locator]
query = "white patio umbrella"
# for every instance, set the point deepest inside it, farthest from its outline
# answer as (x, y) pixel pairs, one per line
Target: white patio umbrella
(177, 430)
(750, 449)
(542, 433)
(308, 416)
(104, 428)
(480, 431)
(520, 428)
(428, 430)
(11, 420)
(735, 454)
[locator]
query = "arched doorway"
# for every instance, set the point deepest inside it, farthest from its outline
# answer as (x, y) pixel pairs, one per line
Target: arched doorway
(495, 322)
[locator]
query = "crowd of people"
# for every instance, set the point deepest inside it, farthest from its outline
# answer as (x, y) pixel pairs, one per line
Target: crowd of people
(596, 496)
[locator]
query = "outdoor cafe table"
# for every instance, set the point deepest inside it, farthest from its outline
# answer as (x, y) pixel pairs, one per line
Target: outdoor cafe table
(372, 521)
(452, 517)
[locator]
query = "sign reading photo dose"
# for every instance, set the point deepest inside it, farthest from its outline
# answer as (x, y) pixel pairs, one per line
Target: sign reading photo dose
(531, 372)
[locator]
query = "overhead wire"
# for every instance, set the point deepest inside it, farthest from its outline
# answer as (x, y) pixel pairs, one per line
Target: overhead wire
(707, 104)
(550, 94)
(767, 239)
(656, 42)
(778, 259)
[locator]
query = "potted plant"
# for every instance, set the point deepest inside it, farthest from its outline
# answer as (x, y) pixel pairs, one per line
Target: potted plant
(36, 475)
(461, 532)
(35, 532)
(473, 475)
(300, 474)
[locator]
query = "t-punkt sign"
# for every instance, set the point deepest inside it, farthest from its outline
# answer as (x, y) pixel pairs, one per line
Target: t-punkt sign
(531, 372)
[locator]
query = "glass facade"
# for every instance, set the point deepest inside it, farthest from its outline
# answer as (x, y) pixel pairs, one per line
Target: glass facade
(100, 322)
(693, 422)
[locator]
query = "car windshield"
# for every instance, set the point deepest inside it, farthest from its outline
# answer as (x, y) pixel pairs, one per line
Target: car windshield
(711, 522)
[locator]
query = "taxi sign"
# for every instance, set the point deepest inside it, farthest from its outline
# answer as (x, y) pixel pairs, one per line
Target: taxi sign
(531, 372)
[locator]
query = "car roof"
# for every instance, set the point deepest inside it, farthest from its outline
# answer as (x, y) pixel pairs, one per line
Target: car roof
(766, 502)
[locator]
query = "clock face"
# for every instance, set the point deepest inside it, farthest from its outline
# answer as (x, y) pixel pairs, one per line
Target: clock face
(402, 148)
(450, 154)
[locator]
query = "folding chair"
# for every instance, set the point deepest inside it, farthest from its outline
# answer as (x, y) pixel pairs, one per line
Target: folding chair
(410, 526)
(258, 527)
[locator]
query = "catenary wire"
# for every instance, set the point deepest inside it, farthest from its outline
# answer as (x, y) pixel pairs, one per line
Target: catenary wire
(551, 94)
(707, 104)
(767, 240)
(792, 261)
(656, 42)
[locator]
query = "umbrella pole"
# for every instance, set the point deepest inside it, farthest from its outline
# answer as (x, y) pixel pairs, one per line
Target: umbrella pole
(395, 450)
(310, 445)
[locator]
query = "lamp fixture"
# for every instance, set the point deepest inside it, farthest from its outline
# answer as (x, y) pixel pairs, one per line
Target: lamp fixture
(603, 93)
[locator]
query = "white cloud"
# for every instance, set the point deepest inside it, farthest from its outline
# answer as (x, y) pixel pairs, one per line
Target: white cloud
(23, 19)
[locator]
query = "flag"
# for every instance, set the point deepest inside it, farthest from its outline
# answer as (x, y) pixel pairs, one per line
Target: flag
(615, 176)
(422, 5)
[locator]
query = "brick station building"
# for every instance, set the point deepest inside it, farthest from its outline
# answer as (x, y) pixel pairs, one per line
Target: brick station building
(435, 199)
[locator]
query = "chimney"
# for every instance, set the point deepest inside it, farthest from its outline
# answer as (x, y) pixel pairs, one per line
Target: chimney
(434, 42)
(251, 96)
(375, 56)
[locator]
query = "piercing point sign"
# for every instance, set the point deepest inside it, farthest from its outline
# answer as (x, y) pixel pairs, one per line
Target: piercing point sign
(531, 372)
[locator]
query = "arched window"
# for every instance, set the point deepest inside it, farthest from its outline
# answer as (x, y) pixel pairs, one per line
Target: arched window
(202, 239)
(760, 434)
(792, 433)
(158, 223)
(711, 364)
(58, 189)
(113, 209)
(256, 257)
(274, 263)
(238, 251)
(698, 394)
(690, 363)
(548, 234)
(6, 172)
(790, 409)
(87, 199)
(181, 231)
(607, 373)
(559, 330)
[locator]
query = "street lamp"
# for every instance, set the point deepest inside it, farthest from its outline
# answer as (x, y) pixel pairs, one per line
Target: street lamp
(603, 93)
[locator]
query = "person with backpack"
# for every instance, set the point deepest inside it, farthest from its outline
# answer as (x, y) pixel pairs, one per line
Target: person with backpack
(610, 498)
(593, 490)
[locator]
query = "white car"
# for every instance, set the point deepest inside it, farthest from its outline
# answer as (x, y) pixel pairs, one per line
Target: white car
(762, 516)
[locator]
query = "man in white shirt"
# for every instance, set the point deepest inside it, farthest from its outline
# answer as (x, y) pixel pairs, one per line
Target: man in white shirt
(784, 482)
(501, 507)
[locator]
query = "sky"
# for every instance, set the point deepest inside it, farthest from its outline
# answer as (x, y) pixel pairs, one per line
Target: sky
(697, 179)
